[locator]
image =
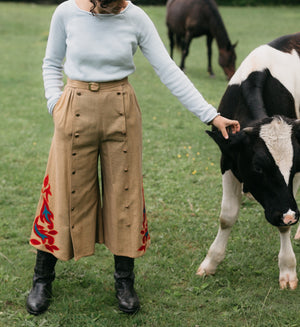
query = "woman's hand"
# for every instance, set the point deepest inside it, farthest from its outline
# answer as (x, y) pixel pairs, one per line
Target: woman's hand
(223, 123)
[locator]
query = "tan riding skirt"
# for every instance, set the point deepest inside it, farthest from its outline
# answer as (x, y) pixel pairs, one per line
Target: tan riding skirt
(94, 123)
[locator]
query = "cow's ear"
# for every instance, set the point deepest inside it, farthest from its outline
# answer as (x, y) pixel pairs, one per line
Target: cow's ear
(231, 146)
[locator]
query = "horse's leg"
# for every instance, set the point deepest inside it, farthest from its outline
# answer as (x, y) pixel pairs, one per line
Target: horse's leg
(171, 38)
(185, 48)
(232, 192)
(287, 260)
(209, 40)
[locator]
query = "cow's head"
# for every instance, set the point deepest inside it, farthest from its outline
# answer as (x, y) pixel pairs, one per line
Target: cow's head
(266, 158)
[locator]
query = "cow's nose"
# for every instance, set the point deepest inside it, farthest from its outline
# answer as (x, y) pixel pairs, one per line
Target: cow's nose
(289, 220)
(290, 217)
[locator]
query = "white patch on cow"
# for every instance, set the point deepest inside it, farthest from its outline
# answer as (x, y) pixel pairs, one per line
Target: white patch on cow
(289, 213)
(287, 262)
(283, 66)
(277, 137)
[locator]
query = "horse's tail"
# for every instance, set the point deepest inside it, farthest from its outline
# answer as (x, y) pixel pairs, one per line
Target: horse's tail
(177, 39)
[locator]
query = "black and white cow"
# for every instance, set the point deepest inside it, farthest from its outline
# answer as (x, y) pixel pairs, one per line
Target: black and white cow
(264, 158)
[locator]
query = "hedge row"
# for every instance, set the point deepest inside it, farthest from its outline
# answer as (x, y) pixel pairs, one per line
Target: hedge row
(163, 2)
(231, 2)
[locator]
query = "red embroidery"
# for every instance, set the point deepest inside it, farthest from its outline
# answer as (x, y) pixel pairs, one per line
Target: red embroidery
(46, 188)
(144, 231)
(46, 217)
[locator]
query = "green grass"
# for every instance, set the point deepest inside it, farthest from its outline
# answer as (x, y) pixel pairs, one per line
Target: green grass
(182, 187)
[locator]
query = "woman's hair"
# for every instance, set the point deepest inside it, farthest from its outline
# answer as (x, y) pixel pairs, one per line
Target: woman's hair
(102, 3)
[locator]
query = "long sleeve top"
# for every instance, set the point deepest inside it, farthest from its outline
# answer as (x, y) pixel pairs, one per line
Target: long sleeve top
(101, 47)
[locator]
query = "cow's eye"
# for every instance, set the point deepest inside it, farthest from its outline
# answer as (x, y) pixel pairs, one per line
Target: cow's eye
(258, 169)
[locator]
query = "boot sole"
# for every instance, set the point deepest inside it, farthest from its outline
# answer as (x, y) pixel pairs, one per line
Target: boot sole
(129, 311)
(35, 313)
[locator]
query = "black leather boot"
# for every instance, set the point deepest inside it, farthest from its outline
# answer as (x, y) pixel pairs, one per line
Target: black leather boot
(39, 297)
(124, 280)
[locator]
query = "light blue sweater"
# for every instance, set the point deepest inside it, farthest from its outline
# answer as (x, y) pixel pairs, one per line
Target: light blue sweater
(100, 48)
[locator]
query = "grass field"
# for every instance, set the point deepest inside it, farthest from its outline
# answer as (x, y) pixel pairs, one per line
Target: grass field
(182, 187)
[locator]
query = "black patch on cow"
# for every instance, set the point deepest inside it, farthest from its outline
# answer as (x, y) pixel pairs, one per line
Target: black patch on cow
(277, 99)
(287, 43)
(296, 147)
(260, 95)
(233, 98)
(252, 92)
(230, 149)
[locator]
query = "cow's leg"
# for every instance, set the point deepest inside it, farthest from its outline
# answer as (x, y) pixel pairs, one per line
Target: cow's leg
(287, 260)
(231, 200)
(297, 235)
(296, 184)
(209, 40)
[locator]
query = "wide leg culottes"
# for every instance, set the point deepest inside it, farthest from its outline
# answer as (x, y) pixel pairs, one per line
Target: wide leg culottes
(93, 121)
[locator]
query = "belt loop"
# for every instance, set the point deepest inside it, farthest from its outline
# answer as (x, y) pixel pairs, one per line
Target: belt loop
(94, 87)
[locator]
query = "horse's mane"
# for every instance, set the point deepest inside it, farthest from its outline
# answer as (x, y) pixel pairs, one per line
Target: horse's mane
(169, 2)
(219, 21)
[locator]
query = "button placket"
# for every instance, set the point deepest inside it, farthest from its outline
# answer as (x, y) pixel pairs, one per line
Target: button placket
(73, 194)
(74, 161)
(126, 190)
(122, 111)
(125, 179)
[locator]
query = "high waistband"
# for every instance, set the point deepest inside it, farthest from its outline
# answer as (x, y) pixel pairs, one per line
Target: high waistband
(96, 86)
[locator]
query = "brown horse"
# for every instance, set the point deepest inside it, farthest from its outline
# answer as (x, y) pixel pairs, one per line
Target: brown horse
(187, 19)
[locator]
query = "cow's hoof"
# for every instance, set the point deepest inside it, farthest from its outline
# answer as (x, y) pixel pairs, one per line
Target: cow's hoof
(201, 272)
(292, 284)
(205, 269)
(297, 236)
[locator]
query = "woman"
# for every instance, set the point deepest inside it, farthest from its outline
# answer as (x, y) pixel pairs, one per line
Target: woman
(97, 116)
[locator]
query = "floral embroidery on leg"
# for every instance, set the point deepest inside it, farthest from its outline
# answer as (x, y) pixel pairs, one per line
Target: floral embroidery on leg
(43, 226)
